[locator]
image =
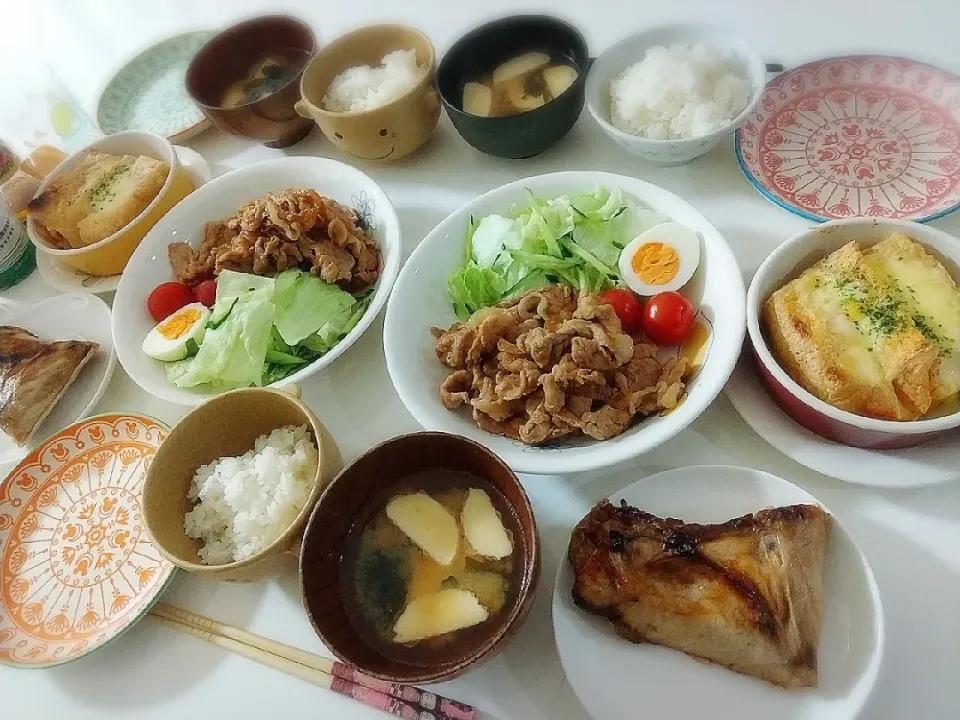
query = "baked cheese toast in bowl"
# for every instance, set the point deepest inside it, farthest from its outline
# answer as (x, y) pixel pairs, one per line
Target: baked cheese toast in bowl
(93, 210)
(855, 326)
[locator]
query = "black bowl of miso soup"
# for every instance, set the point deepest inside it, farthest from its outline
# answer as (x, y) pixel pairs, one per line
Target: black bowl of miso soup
(421, 558)
(515, 86)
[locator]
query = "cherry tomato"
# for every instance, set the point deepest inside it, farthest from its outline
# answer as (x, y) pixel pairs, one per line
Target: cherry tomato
(667, 318)
(627, 306)
(167, 298)
(206, 292)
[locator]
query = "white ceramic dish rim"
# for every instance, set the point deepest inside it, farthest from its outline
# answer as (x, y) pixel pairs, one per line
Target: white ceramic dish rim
(598, 454)
(913, 229)
(73, 160)
(16, 309)
(872, 670)
(930, 463)
(388, 276)
(756, 66)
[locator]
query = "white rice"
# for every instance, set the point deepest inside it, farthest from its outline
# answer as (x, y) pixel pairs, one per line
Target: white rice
(243, 504)
(363, 88)
(679, 92)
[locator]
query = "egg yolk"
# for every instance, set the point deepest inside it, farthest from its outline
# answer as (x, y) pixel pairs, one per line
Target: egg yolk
(655, 263)
(179, 324)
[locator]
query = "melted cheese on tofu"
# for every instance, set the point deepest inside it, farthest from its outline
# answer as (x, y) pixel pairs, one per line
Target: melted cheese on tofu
(855, 349)
(930, 296)
(109, 191)
(873, 331)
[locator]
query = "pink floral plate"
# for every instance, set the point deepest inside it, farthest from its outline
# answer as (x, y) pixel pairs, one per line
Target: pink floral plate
(859, 136)
(77, 565)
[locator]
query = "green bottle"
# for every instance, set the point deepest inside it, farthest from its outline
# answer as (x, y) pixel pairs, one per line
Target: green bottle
(18, 256)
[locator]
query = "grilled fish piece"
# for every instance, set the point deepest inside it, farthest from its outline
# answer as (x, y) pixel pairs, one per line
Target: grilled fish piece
(34, 375)
(746, 594)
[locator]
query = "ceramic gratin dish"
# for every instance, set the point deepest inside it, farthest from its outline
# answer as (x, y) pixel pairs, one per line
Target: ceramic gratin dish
(110, 255)
(787, 262)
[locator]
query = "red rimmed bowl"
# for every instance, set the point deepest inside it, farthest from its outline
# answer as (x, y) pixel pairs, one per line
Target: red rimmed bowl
(787, 262)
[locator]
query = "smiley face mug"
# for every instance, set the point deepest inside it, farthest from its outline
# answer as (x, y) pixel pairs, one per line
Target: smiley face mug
(385, 133)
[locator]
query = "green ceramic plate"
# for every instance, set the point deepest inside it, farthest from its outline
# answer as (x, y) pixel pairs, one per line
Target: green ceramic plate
(148, 92)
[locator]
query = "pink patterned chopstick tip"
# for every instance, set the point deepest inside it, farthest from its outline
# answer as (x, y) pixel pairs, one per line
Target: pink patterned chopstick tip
(433, 705)
(374, 699)
(457, 710)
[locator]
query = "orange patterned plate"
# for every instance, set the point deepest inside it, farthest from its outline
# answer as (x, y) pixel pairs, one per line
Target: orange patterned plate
(77, 566)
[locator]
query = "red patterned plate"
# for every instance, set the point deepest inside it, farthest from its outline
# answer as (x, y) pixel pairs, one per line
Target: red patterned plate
(859, 136)
(77, 565)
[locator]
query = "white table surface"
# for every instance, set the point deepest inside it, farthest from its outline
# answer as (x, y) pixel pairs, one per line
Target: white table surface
(910, 538)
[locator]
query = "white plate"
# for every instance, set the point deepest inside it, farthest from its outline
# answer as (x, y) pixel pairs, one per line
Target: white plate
(420, 301)
(67, 279)
(66, 317)
(932, 463)
(220, 198)
(614, 678)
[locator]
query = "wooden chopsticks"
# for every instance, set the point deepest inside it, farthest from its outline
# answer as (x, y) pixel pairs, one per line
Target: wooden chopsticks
(405, 701)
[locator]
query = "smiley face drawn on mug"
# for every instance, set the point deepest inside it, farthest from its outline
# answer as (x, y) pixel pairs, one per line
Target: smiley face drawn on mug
(376, 147)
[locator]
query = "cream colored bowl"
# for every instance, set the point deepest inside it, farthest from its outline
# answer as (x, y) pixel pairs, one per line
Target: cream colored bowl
(228, 425)
(110, 255)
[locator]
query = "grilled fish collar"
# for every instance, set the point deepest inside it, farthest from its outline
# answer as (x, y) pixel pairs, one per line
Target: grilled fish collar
(746, 594)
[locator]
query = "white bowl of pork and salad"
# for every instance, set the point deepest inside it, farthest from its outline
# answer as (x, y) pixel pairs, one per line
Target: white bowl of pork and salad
(280, 268)
(576, 314)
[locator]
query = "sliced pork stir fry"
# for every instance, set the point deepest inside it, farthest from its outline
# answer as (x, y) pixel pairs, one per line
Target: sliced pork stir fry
(290, 229)
(554, 363)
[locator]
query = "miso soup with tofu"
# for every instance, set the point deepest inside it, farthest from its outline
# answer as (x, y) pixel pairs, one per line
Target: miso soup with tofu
(434, 572)
(520, 84)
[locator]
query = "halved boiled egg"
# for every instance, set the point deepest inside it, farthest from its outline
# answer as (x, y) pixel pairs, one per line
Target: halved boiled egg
(661, 259)
(171, 339)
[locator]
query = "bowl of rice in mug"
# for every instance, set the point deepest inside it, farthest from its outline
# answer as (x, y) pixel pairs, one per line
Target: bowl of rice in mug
(231, 488)
(371, 92)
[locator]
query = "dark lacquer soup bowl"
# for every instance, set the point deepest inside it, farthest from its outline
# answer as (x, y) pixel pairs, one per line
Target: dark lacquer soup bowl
(266, 114)
(479, 51)
(349, 504)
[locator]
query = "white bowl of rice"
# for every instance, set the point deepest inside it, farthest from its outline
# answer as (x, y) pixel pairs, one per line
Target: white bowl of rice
(231, 487)
(672, 93)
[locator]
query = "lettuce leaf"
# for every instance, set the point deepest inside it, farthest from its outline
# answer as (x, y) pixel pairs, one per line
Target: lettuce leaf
(304, 304)
(233, 353)
(472, 288)
(231, 284)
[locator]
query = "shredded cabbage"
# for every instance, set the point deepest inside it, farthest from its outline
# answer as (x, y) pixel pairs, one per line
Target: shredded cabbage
(571, 240)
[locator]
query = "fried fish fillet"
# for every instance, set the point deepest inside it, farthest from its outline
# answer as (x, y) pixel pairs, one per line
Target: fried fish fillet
(34, 375)
(746, 594)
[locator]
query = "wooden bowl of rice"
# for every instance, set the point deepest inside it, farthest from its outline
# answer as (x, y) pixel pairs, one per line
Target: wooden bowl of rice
(227, 427)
